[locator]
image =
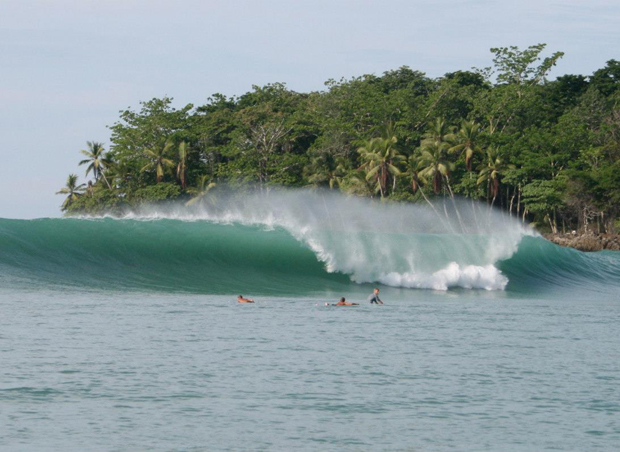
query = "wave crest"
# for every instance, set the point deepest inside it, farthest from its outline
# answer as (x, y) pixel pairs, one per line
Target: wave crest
(296, 243)
(451, 244)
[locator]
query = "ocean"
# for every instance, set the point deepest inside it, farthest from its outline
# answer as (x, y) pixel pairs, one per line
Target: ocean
(124, 334)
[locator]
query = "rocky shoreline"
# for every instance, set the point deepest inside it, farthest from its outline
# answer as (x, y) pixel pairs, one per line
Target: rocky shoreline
(587, 242)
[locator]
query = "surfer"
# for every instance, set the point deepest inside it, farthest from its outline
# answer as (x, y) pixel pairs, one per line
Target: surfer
(240, 299)
(374, 297)
(342, 302)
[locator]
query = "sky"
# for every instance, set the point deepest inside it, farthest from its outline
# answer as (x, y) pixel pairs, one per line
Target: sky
(68, 67)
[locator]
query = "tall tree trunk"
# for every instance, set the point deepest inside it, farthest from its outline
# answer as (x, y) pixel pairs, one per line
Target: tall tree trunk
(488, 190)
(519, 200)
(551, 224)
(106, 180)
(183, 182)
(383, 181)
(563, 226)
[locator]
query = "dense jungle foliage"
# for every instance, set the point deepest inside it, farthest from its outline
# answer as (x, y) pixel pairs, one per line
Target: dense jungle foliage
(546, 151)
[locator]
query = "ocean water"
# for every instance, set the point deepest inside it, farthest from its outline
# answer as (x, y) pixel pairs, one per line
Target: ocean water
(124, 334)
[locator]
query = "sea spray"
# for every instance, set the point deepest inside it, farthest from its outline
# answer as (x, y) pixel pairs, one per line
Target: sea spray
(397, 244)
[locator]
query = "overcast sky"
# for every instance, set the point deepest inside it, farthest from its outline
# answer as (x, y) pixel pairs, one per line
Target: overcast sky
(68, 66)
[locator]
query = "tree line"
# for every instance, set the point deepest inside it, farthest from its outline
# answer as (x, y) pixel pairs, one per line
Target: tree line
(546, 151)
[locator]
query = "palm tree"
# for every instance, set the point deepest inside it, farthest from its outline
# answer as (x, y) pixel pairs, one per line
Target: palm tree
(413, 171)
(467, 142)
(433, 158)
(417, 182)
(201, 190)
(439, 134)
(359, 183)
(327, 169)
(492, 172)
(381, 158)
(72, 190)
(118, 173)
(434, 166)
(182, 166)
(158, 160)
(96, 160)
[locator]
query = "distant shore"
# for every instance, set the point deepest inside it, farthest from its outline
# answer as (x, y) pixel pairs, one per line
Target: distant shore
(587, 242)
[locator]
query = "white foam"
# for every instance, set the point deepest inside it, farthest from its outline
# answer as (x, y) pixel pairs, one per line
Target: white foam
(454, 275)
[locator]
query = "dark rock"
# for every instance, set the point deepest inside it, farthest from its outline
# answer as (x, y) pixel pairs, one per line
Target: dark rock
(586, 242)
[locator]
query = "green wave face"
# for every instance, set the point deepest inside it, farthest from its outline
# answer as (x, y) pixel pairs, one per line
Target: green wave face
(165, 255)
(540, 265)
(296, 243)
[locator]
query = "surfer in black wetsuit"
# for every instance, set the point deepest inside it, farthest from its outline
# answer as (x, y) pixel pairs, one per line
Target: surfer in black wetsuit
(374, 297)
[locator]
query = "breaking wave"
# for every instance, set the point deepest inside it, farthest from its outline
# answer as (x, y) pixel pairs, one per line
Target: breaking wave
(291, 242)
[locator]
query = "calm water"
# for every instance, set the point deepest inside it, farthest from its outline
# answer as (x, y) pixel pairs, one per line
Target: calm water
(466, 371)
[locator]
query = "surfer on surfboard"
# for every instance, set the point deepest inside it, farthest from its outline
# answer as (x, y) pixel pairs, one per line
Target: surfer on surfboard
(342, 302)
(240, 299)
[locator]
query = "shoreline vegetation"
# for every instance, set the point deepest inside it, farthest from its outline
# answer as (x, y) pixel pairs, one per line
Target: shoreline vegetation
(546, 152)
